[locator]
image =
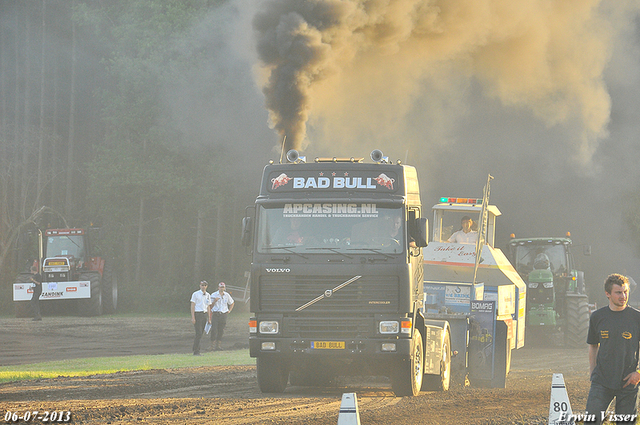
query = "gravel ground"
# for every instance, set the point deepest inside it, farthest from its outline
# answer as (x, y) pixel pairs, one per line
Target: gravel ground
(229, 395)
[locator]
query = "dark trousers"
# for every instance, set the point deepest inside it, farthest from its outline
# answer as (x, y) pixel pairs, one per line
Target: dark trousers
(201, 321)
(600, 397)
(218, 323)
(35, 301)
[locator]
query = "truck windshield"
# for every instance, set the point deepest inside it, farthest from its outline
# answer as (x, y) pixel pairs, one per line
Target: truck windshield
(526, 254)
(68, 246)
(331, 227)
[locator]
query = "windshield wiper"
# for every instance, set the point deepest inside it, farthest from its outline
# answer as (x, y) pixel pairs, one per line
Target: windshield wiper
(286, 249)
(335, 250)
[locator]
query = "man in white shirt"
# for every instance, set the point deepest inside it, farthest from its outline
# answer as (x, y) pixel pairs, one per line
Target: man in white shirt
(200, 305)
(221, 306)
(464, 235)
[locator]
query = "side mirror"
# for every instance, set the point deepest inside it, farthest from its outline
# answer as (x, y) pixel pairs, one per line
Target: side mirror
(247, 231)
(421, 234)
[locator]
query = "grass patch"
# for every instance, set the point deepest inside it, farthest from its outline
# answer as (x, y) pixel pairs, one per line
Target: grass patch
(107, 365)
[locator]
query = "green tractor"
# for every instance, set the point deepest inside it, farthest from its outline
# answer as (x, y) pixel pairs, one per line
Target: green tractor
(556, 293)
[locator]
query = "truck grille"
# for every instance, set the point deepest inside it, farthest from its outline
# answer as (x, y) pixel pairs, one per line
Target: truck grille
(329, 328)
(371, 294)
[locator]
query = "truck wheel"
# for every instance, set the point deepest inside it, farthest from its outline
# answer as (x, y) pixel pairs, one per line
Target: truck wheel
(406, 379)
(577, 322)
(91, 306)
(273, 375)
(109, 290)
(442, 381)
(23, 308)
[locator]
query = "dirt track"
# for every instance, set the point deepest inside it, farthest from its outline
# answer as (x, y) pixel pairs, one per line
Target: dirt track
(229, 395)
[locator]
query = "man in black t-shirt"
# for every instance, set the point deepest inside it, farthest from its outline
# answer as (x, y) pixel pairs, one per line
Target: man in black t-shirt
(614, 338)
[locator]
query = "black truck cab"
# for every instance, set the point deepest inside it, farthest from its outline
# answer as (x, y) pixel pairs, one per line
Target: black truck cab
(337, 273)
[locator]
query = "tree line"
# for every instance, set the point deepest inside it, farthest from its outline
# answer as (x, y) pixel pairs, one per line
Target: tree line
(86, 142)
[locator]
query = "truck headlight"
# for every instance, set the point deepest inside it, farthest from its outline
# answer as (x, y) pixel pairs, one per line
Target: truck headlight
(548, 285)
(269, 327)
(389, 327)
(533, 285)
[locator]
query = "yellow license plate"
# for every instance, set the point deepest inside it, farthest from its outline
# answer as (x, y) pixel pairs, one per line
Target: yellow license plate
(328, 345)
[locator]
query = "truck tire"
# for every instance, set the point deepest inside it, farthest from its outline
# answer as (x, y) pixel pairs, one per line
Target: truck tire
(23, 308)
(577, 321)
(273, 375)
(91, 306)
(109, 290)
(406, 379)
(442, 381)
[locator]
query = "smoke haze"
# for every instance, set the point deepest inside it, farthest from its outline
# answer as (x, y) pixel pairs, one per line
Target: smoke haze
(542, 96)
(362, 65)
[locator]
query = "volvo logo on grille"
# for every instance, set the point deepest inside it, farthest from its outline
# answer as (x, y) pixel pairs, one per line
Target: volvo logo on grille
(328, 293)
(278, 270)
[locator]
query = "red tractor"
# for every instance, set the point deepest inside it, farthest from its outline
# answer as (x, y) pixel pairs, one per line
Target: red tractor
(70, 272)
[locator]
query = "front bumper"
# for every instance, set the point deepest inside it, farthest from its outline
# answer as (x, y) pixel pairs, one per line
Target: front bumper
(356, 348)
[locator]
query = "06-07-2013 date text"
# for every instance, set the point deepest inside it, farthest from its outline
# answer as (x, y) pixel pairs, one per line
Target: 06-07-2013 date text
(46, 416)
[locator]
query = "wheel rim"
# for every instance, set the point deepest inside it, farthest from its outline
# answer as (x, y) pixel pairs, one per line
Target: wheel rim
(446, 368)
(417, 366)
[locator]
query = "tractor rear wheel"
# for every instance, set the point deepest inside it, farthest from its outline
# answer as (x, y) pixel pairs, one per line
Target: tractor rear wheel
(91, 306)
(109, 289)
(576, 321)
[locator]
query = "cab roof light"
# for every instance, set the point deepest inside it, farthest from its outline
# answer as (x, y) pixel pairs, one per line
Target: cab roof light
(336, 159)
(448, 200)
